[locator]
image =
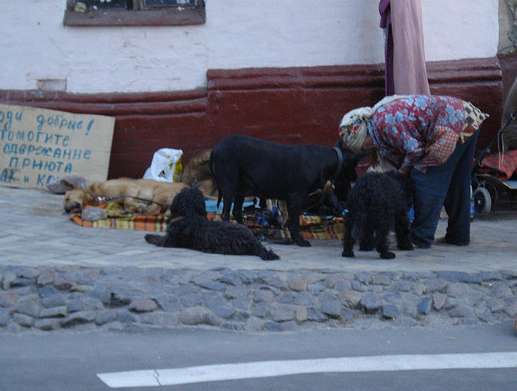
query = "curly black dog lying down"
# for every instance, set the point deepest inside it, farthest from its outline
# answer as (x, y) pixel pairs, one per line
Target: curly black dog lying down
(188, 227)
(377, 203)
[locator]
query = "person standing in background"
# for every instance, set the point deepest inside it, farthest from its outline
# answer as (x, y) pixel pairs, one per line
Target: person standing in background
(508, 139)
(406, 72)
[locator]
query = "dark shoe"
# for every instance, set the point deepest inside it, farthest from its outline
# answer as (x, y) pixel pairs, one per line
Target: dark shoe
(284, 242)
(406, 246)
(302, 242)
(366, 247)
(421, 244)
(446, 241)
(387, 255)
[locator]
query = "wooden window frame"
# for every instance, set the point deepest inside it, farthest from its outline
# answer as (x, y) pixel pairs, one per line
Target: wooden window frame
(167, 16)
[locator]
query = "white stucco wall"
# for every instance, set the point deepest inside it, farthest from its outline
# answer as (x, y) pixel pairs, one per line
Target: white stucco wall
(238, 33)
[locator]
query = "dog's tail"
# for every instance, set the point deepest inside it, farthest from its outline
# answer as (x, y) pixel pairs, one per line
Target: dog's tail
(268, 255)
(157, 240)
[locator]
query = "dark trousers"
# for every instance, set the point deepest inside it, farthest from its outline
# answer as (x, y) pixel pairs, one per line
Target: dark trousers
(449, 185)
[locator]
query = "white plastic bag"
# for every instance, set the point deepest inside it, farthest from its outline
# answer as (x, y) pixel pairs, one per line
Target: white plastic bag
(166, 165)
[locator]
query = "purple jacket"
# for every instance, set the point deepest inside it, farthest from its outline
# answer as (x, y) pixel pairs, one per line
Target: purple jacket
(384, 10)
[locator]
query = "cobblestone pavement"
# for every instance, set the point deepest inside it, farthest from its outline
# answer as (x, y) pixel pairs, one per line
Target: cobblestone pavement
(54, 274)
(63, 297)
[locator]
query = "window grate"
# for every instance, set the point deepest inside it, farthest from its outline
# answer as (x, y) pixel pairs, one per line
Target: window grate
(134, 12)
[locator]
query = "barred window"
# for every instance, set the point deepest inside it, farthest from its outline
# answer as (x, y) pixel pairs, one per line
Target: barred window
(134, 12)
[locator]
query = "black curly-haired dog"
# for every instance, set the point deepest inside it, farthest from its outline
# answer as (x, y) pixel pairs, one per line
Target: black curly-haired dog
(378, 203)
(189, 227)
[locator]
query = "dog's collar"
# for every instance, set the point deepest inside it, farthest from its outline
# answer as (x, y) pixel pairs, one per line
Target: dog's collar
(176, 219)
(97, 199)
(340, 162)
(102, 199)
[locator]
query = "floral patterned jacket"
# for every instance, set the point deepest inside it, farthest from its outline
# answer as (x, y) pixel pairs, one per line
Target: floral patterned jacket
(422, 131)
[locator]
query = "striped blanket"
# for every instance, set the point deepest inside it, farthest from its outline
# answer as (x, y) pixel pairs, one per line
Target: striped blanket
(311, 227)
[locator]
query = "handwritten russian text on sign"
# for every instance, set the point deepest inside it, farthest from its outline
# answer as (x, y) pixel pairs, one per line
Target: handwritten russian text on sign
(39, 146)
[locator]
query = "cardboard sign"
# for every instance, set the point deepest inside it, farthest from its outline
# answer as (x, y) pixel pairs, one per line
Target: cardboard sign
(38, 146)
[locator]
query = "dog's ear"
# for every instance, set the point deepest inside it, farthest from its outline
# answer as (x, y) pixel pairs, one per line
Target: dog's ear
(341, 145)
(195, 184)
(199, 202)
(348, 173)
(199, 208)
(353, 159)
(198, 199)
(350, 162)
(94, 188)
(175, 206)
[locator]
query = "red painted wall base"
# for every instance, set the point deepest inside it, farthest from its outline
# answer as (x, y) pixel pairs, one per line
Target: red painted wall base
(290, 105)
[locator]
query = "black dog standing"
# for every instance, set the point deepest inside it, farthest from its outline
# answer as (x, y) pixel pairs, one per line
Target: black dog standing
(188, 227)
(245, 166)
(376, 204)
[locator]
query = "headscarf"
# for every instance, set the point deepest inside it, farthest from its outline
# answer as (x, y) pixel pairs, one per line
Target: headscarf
(353, 129)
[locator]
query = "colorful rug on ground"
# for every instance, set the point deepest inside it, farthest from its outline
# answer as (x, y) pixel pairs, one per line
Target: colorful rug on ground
(311, 226)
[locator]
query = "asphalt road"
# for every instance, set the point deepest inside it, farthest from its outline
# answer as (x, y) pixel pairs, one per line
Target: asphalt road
(71, 361)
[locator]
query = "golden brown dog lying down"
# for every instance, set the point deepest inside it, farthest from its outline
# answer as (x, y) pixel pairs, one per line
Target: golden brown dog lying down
(140, 196)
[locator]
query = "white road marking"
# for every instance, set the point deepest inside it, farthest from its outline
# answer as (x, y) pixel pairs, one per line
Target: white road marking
(261, 369)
